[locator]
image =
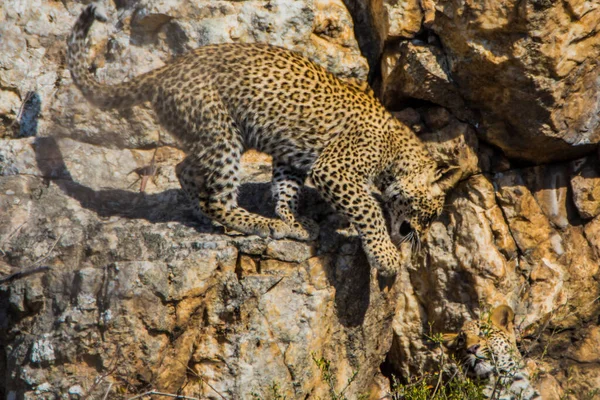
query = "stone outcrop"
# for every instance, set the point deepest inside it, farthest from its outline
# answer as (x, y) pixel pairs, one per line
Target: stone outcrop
(530, 68)
(137, 294)
(420, 73)
(111, 286)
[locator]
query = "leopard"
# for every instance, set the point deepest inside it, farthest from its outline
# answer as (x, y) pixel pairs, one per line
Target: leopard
(489, 354)
(221, 100)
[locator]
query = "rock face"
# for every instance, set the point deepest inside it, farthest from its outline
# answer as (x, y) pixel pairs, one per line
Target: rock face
(35, 85)
(530, 68)
(138, 295)
(420, 73)
(109, 285)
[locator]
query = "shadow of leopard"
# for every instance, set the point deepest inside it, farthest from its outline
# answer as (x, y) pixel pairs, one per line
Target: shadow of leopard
(221, 100)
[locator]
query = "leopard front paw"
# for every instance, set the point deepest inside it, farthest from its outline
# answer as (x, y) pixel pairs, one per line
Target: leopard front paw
(387, 265)
(261, 229)
(304, 229)
(278, 229)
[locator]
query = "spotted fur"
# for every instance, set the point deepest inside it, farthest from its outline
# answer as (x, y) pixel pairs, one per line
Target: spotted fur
(220, 100)
(488, 351)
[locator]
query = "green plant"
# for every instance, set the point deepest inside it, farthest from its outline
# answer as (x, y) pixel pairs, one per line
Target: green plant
(432, 386)
(327, 376)
(273, 393)
(438, 385)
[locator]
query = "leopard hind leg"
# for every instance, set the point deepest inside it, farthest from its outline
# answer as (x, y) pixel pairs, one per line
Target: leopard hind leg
(286, 186)
(210, 178)
(191, 177)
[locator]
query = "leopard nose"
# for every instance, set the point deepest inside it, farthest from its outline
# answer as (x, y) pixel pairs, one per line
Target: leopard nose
(473, 349)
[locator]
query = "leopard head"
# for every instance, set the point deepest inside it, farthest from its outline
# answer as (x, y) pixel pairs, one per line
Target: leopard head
(488, 346)
(417, 198)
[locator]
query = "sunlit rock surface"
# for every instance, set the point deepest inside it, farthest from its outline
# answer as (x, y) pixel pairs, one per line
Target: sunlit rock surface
(128, 291)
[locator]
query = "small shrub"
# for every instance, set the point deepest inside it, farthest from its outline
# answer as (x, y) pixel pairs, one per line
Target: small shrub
(273, 393)
(439, 385)
(432, 387)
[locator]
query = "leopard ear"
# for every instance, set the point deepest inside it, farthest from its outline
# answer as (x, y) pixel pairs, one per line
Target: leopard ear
(449, 339)
(445, 179)
(503, 317)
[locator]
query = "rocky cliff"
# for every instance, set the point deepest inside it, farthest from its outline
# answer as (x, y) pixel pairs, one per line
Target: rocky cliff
(112, 288)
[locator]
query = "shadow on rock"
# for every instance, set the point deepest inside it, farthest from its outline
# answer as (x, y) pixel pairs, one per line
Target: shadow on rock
(167, 206)
(30, 113)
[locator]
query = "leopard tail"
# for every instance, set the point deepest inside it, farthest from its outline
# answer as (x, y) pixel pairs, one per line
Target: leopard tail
(122, 95)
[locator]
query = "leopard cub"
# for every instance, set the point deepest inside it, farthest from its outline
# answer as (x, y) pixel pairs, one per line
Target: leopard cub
(488, 352)
(221, 100)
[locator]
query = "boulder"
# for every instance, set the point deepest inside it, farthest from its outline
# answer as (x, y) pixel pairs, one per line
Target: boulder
(420, 72)
(121, 290)
(530, 68)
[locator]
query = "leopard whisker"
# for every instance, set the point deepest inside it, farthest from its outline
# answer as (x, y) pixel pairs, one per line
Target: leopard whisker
(415, 246)
(407, 237)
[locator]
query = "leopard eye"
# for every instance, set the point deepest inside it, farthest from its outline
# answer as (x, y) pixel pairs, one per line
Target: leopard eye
(405, 228)
(460, 341)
